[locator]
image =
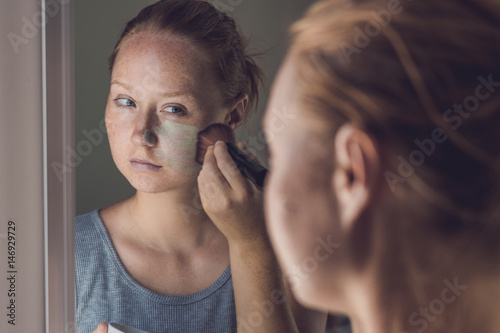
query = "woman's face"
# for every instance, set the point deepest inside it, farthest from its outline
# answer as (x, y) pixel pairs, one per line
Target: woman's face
(162, 94)
(301, 212)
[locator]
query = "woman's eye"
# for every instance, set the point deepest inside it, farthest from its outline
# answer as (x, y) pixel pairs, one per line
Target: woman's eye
(125, 102)
(173, 109)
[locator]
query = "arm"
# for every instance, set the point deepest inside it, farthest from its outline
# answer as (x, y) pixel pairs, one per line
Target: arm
(235, 205)
(264, 299)
(261, 303)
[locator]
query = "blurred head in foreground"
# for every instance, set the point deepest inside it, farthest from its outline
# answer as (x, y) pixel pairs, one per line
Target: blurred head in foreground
(383, 128)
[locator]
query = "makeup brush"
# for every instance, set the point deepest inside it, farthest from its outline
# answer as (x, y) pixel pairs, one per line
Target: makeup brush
(247, 166)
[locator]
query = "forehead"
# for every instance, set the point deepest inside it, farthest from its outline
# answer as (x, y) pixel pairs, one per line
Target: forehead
(165, 61)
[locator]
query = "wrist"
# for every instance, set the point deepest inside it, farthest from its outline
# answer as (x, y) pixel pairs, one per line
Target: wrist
(257, 246)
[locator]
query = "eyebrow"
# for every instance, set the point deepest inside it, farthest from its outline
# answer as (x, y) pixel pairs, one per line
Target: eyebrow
(165, 94)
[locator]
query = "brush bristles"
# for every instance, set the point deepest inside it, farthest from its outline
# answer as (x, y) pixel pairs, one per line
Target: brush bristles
(209, 136)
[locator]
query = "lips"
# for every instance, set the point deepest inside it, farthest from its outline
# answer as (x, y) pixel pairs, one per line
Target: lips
(144, 165)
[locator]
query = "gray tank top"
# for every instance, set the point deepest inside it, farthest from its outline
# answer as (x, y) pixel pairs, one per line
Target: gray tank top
(105, 291)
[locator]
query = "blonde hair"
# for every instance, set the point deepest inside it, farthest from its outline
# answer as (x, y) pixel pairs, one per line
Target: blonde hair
(400, 71)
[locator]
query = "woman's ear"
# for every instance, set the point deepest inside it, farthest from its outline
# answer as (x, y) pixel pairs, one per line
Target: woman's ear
(236, 115)
(356, 172)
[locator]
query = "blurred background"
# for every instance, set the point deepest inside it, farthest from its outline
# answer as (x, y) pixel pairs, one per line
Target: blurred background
(98, 25)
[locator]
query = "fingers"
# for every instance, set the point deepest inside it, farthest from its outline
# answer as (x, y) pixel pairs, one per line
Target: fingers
(101, 328)
(229, 169)
(210, 171)
(221, 179)
(212, 183)
(241, 145)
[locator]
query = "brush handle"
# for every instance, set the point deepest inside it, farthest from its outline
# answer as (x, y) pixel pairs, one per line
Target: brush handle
(248, 167)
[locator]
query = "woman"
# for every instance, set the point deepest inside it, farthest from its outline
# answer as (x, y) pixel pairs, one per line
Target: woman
(159, 261)
(387, 174)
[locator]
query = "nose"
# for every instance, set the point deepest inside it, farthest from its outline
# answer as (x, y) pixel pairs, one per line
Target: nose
(149, 138)
(144, 133)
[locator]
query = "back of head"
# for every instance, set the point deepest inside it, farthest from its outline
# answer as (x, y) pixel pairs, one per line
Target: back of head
(423, 79)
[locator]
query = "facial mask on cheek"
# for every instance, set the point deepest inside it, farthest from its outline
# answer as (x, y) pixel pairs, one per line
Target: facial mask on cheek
(177, 146)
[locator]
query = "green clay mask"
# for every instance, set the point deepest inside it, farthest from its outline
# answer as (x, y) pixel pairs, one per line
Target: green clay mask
(177, 146)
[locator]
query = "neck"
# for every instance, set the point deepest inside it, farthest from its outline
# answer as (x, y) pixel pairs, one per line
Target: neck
(171, 221)
(456, 291)
(460, 303)
(364, 308)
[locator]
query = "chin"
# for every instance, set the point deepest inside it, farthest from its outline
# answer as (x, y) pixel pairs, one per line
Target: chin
(148, 187)
(156, 184)
(309, 282)
(305, 300)
(313, 294)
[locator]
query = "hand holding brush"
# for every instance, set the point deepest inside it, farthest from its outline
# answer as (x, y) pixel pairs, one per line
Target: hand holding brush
(220, 132)
(234, 204)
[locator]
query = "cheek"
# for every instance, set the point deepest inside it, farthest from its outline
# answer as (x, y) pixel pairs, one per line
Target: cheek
(287, 207)
(177, 146)
(117, 134)
(301, 214)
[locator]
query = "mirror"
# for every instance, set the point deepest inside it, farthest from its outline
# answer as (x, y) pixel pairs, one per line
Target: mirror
(98, 25)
